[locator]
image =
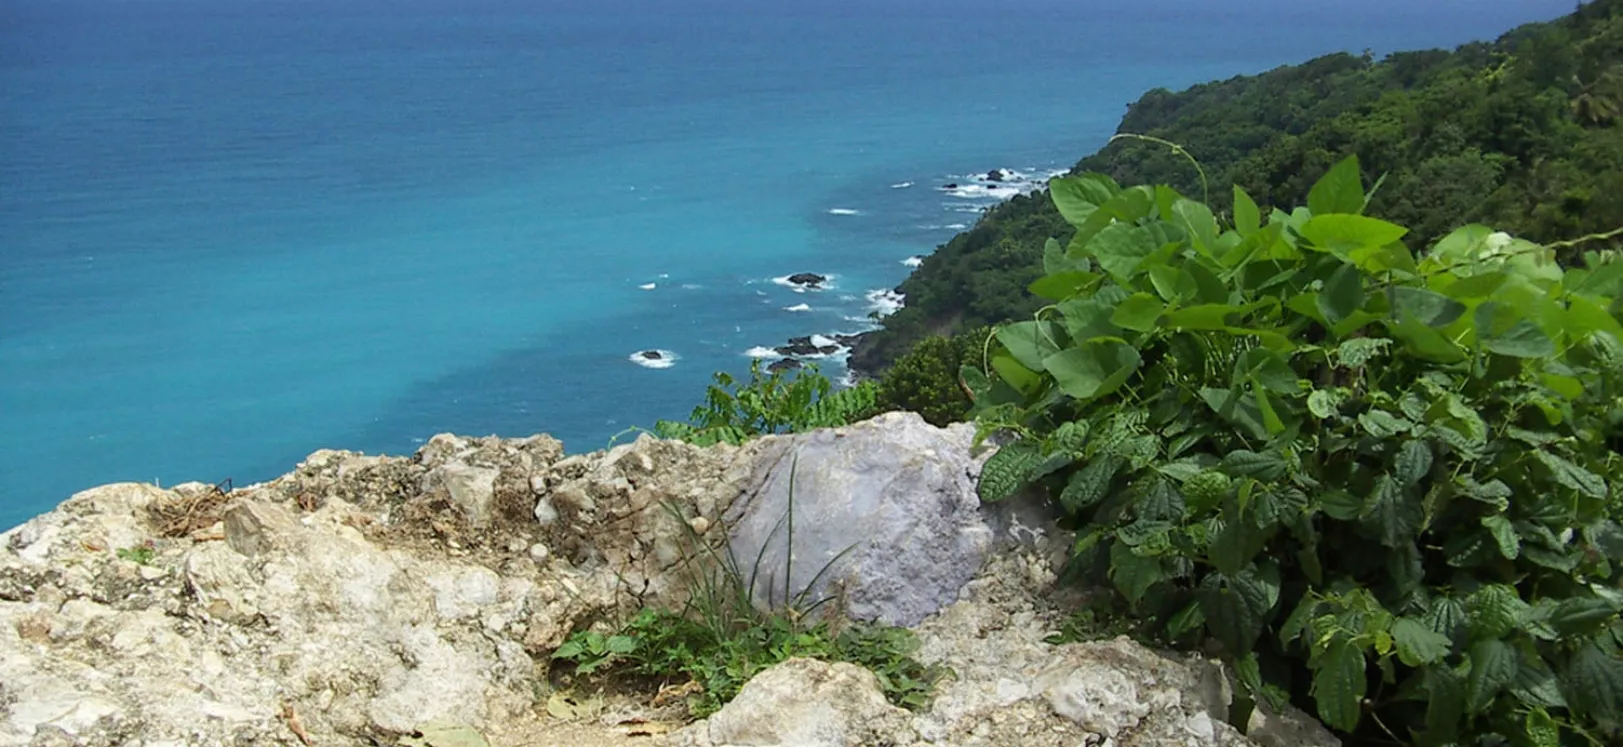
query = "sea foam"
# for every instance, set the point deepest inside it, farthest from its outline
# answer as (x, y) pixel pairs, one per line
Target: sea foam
(666, 359)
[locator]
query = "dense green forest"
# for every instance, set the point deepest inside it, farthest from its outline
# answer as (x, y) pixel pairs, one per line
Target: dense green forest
(1522, 133)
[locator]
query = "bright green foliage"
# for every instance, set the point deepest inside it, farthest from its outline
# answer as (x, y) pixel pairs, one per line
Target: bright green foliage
(1385, 483)
(139, 554)
(665, 645)
(776, 402)
(1524, 133)
(926, 380)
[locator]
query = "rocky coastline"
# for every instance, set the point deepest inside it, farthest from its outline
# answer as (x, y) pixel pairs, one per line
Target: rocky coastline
(416, 601)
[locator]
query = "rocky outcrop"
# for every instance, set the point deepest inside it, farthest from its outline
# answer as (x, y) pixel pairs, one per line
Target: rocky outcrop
(360, 599)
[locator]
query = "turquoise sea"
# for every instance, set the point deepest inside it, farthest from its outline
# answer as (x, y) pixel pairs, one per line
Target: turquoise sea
(236, 231)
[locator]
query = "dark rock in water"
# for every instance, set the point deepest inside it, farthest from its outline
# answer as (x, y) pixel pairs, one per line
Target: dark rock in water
(847, 340)
(950, 185)
(807, 279)
(829, 349)
(995, 175)
(785, 365)
(797, 346)
(650, 355)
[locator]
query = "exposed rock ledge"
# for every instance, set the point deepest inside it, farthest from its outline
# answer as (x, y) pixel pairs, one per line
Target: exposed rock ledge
(357, 598)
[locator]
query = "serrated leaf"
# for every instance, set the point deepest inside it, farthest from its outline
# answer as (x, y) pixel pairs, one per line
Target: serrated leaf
(1339, 685)
(1494, 611)
(1394, 516)
(1582, 615)
(1412, 463)
(1237, 607)
(1235, 545)
(1383, 425)
(1417, 643)
(1493, 668)
(1090, 484)
(1571, 475)
(1594, 685)
(1266, 466)
(1504, 534)
(1358, 351)
(1325, 403)
(1134, 574)
(1005, 473)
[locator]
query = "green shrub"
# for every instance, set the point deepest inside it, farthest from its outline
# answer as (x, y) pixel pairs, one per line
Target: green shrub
(925, 380)
(1384, 484)
(802, 400)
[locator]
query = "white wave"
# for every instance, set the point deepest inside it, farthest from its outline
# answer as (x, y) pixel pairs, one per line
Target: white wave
(691, 286)
(822, 341)
(648, 286)
(885, 301)
(666, 358)
(956, 226)
(798, 307)
(664, 275)
(901, 185)
(762, 352)
(843, 211)
(913, 261)
(984, 191)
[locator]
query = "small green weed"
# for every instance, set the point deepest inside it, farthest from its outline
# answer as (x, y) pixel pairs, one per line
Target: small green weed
(139, 555)
(771, 402)
(721, 639)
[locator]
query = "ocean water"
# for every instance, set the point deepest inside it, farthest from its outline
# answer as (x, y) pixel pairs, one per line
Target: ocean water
(236, 231)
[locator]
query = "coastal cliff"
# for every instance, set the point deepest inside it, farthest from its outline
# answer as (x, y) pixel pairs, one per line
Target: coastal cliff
(419, 600)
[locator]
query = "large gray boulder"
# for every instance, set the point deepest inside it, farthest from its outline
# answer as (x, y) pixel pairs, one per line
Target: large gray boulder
(885, 518)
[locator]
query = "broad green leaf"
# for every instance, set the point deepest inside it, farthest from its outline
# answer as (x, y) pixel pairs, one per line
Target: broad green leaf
(1542, 729)
(1077, 197)
(1464, 244)
(1522, 339)
(1197, 220)
(1089, 318)
(1384, 425)
(1504, 534)
(1493, 668)
(1090, 484)
(1417, 643)
(1393, 515)
(1356, 352)
(1238, 607)
(1325, 403)
(1494, 611)
(1428, 307)
(1266, 466)
(1571, 475)
(1342, 295)
(1120, 249)
(621, 644)
(1139, 312)
(1093, 369)
(1063, 285)
(1173, 284)
(1344, 235)
(1235, 545)
(1412, 463)
(1340, 190)
(1187, 619)
(1202, 317)
(1270, 417)
(1133, 574)
(1339, 685)
(1019, 377)
(1342, 505)
(1448, 616)
(1594, 685)
(1445, 707)
(1269, 368)
(1425, 341)
(1583, 615)
(1031, 342)
(1247, 218)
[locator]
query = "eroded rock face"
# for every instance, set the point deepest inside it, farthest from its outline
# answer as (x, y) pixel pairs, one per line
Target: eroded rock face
(885, 518)
(354, 599)
(359, 597)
